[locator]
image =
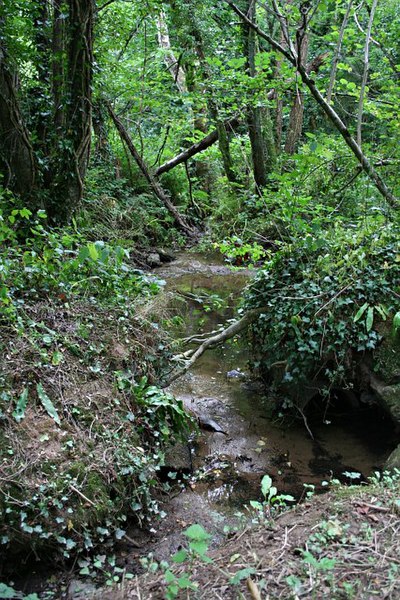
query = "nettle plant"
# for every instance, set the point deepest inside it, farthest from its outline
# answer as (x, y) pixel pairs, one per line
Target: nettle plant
(325, 300)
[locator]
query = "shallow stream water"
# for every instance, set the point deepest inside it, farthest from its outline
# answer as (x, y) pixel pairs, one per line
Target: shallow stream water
(230, 465)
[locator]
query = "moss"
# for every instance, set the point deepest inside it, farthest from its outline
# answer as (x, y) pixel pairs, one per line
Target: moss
(387, 356)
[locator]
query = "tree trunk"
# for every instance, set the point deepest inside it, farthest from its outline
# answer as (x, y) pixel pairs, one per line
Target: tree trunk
(154, 184)
(297, 111)
(17, 162)
(170, 60)
(73, 157)
(254, 116)
(57, 66)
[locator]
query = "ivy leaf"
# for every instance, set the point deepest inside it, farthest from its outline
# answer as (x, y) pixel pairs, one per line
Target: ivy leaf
(47, 404)
(19, 412)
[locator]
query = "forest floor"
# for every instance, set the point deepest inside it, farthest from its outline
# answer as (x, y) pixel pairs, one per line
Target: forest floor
(343, 544)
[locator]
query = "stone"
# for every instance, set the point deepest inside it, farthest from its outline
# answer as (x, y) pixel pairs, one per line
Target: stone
(393, 462)
(153, 259)
(166, 256)
(388, 397)
(235, 374)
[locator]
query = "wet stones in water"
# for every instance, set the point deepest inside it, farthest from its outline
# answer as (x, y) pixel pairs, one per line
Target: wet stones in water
(166, 256)
(235, 374)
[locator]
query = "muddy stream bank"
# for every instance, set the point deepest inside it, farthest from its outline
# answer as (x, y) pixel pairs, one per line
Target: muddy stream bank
(229, 465)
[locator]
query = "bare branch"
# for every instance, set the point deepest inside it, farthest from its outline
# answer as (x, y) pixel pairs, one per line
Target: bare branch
(326, 107)
(365, 72)
(338, 52)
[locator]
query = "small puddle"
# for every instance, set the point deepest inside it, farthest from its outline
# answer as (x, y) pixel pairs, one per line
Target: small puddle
(231, 464)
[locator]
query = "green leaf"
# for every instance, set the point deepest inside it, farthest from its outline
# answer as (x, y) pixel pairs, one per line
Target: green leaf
(180, 556)
(19, 412)
(200, 547)
(196, 532)
(360, 312)
(169, 577)
(396, 322)
(370, 318)
(93, 252)
(266, 484)
(242, 574)
(47, 404)
(382, 311)
(8, 592)
(57, 358)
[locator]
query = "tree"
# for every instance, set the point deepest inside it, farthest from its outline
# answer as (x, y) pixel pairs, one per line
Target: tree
(46, 162)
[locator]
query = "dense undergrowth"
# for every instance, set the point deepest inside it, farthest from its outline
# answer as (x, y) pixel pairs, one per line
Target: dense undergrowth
(82, 423)
(327, 298)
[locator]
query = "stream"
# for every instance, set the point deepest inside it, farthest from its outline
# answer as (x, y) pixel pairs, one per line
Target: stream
(229, 466)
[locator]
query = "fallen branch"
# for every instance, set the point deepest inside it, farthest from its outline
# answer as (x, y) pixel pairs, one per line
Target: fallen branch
(214, 340)
(180, 220)
(200, 146)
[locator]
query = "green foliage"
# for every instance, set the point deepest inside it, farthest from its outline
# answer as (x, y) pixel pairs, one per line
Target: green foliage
(324, 297)
(123, 211)
(61, 264)
(65, 302)
(271, 498)
(161, 415)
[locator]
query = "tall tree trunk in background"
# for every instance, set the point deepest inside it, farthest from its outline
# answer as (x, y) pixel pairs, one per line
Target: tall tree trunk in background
(40, 94)
(254, 114)
(58, 66)
(17, 162)
(73, 157)
(172, 63)
(295, 126)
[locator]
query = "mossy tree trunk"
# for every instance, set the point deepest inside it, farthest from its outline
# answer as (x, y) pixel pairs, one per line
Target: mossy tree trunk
(254, 113)
(62, 136)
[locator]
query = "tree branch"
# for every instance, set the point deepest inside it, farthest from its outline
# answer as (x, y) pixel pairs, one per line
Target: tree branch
(179, 219)
(214, 340)
(200, 146)
(328, 110)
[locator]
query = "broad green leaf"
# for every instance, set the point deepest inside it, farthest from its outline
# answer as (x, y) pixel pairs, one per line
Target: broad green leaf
(360, 312)
(93, 252)
(396, 322)
(266, 484)
(180, 556)
(242, 574)
(370, 318)
(8, 592)
(47, 404)
(19, 412)
(196, 532)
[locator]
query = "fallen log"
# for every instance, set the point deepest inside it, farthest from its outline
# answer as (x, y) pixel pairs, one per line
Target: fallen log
(161, 194)
(200, 146)
(189, 357)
